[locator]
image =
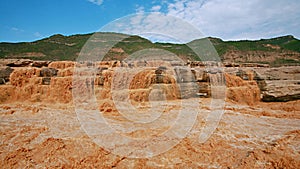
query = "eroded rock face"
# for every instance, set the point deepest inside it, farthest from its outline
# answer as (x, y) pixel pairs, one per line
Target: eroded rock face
(276, 84)
(257, 56)
(281, 90)
(279, 84)
(280, 73)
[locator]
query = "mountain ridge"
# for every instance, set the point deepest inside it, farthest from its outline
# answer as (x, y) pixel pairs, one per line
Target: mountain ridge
(275, 51)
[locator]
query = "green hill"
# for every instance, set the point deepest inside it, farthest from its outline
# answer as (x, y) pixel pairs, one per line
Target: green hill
(59, 47)
(284, 43)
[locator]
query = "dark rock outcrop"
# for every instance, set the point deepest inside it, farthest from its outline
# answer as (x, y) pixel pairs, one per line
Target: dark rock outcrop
(40, 63)
(48, 72)
(2, 81)
(5, 73)
(19, 63)
(46, 80)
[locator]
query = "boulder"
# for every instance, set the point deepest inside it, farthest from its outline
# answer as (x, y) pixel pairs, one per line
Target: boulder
(5, 73)
(159, 78)
(160, 70)
(19, 63)
(48, 72)
(2, 81)
(46, 80)
(40, 63)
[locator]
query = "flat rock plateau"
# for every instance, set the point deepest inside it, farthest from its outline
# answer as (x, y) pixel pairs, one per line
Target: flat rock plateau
(41, 126)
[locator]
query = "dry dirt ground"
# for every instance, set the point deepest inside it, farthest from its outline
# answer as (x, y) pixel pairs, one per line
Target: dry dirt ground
(40, 135)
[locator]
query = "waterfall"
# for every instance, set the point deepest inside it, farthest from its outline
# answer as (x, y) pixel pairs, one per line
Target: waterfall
(218, 95)
(217, 84)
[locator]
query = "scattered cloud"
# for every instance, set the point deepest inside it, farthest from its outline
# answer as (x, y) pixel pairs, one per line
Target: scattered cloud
(38, 34)
(16, 29)
(156, 8)
(140, 9)
(160, 2)
(235, 19)
(97, 2)
(156, 27)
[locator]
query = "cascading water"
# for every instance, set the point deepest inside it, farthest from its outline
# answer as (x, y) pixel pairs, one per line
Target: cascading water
(218, 92)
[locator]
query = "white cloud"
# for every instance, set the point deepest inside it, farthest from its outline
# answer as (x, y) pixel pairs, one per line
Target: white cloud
(155, 26)
(16, 29)
(38, 34)
(155, 8)
(235, 19)
(140, 9)
(97, 2)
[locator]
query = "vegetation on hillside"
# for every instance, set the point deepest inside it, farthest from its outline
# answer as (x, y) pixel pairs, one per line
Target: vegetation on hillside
(59, 47)
(279, 44)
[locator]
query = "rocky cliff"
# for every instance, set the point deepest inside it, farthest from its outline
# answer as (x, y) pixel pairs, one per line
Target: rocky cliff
(273, 57)
(53, 81)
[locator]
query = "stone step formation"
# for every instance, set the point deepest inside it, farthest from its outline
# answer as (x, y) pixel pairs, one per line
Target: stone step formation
(185, 80)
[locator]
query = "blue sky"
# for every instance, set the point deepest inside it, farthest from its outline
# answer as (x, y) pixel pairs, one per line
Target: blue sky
(228, 19)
